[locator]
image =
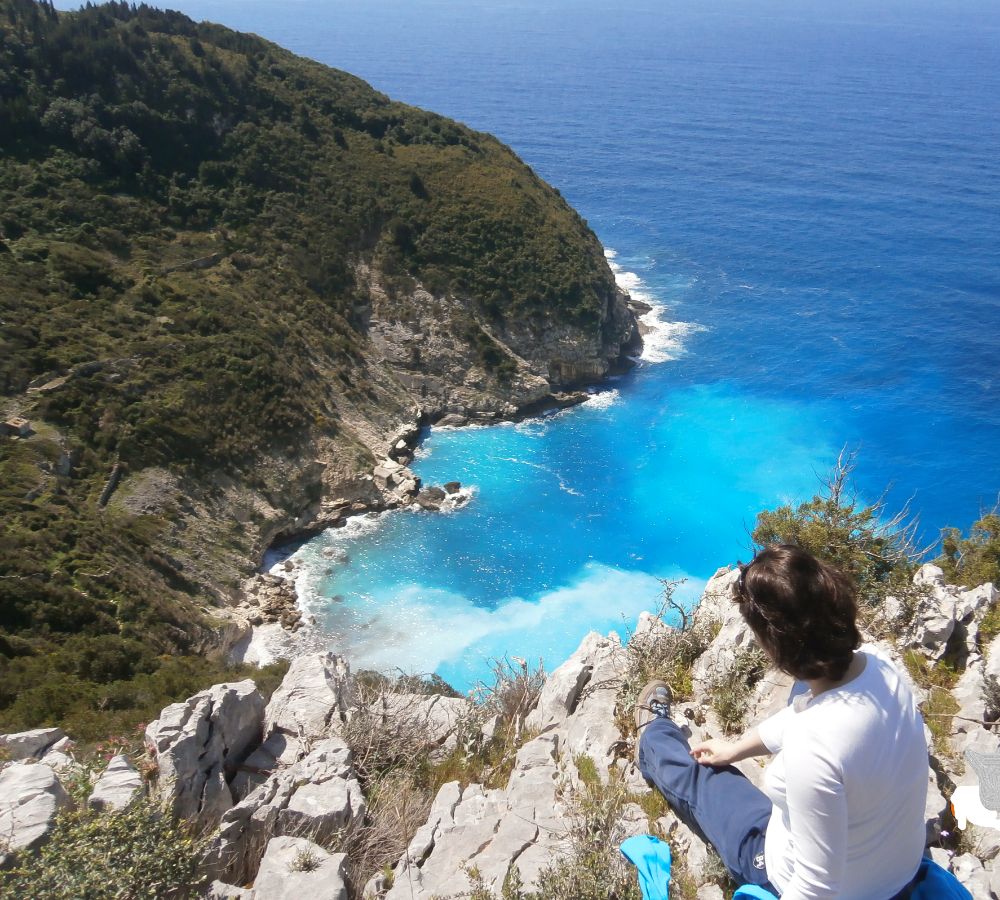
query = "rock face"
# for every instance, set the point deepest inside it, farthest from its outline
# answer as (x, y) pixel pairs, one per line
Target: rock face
(30, 798)
(315, 797)
(199, 743)
(524, 823)
(117, 787)
(281, 786)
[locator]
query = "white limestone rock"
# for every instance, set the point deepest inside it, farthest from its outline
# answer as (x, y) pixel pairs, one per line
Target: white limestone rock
(591, 728)
(716, 604)
(29, 744)
(562, 688)
(929, 575)
(315, 797)
(935, 808)
(30, 799)
(218, 890)
(294, 868)
(199, 743)
(969, 871)
(118, 785)
(312, 698)
(438, 716)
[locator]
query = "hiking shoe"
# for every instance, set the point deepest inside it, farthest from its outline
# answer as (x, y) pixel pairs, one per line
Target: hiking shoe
(653, 703)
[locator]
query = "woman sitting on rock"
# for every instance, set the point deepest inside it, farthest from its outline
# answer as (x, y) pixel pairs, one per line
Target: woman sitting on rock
(842, 810)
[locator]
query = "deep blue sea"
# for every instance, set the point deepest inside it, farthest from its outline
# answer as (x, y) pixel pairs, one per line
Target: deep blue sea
(812, 188)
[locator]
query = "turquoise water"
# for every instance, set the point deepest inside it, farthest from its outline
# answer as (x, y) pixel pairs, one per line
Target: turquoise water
(813, 188)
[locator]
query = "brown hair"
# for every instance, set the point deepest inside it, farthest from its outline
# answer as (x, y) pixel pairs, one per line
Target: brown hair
(802, 611)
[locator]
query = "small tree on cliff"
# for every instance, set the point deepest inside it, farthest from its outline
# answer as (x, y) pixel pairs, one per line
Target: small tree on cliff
(975, 559)
(861, 539)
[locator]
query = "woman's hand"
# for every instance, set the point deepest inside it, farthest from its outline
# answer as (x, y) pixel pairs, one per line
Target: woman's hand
(715, 752)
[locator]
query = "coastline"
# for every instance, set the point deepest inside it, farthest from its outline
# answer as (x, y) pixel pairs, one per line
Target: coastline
(267, 642)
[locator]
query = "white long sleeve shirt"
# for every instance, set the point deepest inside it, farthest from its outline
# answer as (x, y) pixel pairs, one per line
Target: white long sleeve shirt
(849, 785)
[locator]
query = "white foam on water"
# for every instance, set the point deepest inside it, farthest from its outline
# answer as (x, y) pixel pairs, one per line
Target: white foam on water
(420, 629)
(662, 340)
(602, 400)
(563, 484)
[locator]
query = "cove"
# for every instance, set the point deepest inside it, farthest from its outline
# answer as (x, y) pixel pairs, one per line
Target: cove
(575, 521)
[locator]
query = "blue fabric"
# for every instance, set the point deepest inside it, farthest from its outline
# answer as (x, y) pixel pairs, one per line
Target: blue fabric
(930, 883)
(651, 858)
(717, 802)
(935, 883)
(754, 891)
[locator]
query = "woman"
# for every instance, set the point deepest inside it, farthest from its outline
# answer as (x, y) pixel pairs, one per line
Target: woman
(842, 811)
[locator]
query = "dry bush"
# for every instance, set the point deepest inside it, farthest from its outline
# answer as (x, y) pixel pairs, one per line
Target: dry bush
(494, 730)
(665, 652)
(385, 736)
(398, 804)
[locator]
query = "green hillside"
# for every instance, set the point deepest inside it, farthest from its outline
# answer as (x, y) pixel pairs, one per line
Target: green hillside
(184, 211)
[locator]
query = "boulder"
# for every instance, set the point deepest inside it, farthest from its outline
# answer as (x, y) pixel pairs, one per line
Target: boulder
(198, 745)
(30, 799)
(452, 487)
(312, 698)
(929, 575)
(28, 744)
(294, 868)
(431, 498)
(970, 872)
(591, 728)
(385, 472)
(118, 785)
(452, 420)
(315, 797)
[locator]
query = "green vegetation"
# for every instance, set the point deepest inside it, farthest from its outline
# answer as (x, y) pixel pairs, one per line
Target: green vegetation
(972, 560)
(874, 549)
(731, 690)
(662, 652)
(937, 679)
(137, 853)
(185, 212)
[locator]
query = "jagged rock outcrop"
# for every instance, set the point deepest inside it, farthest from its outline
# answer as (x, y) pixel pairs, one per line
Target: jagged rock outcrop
(314, 797)
(525, 822)
(198, 744)
(30, 799)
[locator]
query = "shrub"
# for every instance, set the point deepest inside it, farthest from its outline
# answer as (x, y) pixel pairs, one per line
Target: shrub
(136, 853)
(731, 690)
(588, 865)
(860, 539)
(662, 652)
(975, 559)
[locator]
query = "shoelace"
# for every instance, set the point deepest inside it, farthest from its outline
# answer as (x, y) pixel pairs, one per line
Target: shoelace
(658, 708)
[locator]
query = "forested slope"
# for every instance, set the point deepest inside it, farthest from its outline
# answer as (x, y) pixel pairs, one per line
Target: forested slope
(197, 230)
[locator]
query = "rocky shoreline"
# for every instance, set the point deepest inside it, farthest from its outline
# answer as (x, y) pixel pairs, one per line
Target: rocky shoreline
(269, 598)
(270, 781)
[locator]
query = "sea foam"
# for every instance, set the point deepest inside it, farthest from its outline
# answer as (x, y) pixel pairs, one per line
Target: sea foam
(421, 629)
(662, 340)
